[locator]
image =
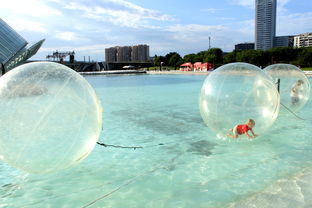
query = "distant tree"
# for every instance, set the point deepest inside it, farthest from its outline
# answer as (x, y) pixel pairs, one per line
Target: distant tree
(214, 56)
(190, 58)
(175, 60)
(283, 54)
(230, 57)
(200, 56)
(158, 60)
(305, 57)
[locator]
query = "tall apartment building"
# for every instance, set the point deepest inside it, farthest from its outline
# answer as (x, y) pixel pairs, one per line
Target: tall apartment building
(123, 54)
(303, 40)
(110, 54)
(143, 52)
(137, 53)
(140, 53)
(265, 24)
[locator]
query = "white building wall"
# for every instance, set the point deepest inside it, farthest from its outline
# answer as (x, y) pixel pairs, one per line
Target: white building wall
(303, 40)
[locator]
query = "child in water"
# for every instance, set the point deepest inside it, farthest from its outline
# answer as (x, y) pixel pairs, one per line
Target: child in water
(295, 92)
(243, 129)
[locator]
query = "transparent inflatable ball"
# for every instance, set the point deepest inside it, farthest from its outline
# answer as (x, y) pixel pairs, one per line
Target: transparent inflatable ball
(51, 117)
(236, 92)
(293, 86)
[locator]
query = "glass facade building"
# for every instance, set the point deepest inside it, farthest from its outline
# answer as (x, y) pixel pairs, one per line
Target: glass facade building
(13, 50)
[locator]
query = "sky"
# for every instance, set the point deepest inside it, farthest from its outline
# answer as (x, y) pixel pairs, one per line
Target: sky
(89, 26)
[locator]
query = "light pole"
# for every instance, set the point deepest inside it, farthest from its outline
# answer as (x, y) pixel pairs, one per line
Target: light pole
(161, 63)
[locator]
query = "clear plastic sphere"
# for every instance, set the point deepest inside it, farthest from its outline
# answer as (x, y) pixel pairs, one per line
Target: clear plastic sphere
(51, 117)
(294, 86)
(236, 92)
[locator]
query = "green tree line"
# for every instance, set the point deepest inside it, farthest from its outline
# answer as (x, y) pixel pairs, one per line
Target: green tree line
(301, 57)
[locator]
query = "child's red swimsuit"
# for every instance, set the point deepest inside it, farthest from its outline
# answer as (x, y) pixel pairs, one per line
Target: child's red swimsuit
(242, 128)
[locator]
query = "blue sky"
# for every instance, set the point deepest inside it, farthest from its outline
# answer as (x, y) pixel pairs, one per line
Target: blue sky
(88, 27)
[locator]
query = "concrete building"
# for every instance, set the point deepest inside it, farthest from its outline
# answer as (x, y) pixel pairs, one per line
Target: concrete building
(127, 56)
(143, 52)
(265, 24)
(110, 54)
(123, 53)
(13, 47)
(137, 53)
(245, 46)
(140, 53)
(303, 40)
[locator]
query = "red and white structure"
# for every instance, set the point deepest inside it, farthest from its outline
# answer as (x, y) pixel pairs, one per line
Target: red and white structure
(197, 66)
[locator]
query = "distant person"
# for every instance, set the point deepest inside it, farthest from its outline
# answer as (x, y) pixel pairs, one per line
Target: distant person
(296, 91)
(243, 129)
(2, 69)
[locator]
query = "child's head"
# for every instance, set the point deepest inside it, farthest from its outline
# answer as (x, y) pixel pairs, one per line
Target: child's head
(251, 123)
(299, 82)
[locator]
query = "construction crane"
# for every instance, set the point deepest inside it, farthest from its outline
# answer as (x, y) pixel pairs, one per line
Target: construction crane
(60, 56)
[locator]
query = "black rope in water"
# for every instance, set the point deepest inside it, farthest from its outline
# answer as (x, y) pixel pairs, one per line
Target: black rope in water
(133, 147)
(130, 147)
(291, 112)
(118, 146)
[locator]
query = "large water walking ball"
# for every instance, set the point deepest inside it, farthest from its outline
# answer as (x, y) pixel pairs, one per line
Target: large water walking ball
(293, 85)
(236, 92)
(50, 117)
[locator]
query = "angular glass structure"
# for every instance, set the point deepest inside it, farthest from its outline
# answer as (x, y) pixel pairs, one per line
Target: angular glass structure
(13, 50)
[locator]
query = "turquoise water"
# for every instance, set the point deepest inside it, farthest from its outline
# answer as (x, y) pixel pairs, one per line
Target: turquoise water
(181, 164)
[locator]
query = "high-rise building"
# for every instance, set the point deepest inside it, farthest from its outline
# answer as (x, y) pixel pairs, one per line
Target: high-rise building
(123, 54)
(265, 24)
(143, 52)
(110, 54)
(13, 49)
(135, 53)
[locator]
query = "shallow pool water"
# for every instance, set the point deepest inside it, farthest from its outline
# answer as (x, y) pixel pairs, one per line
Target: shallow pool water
(179, 162)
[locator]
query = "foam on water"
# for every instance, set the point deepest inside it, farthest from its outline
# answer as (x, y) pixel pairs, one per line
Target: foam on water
(182, 164)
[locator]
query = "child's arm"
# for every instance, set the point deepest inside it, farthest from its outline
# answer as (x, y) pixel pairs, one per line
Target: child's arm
(253, 133)
(249, 136)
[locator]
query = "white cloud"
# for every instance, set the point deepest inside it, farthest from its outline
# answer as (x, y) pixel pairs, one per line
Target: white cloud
(211, 10)
(194, 28)
(121, 13)
(26, 25)
(144, 13)
(294, 24)
(194, 35)
(31, 8)
(247, 26)
(245, 3)
(66, 36)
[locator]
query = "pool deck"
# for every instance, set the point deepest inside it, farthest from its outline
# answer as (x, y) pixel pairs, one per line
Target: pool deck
(113, 72)
(307, 73)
